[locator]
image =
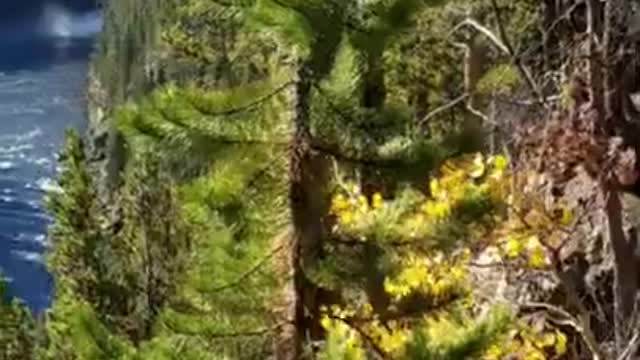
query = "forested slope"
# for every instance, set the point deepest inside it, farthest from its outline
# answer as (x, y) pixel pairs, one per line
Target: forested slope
(318, 179)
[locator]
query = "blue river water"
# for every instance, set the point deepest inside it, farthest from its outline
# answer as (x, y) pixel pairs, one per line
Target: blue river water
(43, 67)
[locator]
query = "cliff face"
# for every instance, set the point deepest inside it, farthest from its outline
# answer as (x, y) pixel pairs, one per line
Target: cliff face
(124, 66)
(104, 145)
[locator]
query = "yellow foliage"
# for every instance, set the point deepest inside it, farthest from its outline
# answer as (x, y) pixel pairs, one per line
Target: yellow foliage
(516, 222)
(434, 276)
(526, 344)
(377, 201)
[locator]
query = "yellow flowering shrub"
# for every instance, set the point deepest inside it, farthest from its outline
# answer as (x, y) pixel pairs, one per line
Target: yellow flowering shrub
(525, 344)
(437, 276)
(431, 237)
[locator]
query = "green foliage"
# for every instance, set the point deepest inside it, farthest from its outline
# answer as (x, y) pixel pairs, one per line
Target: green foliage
(208, 40)
(411, 298)
(453, 339)
(18, 330)
(182, 264)
(500, 80)
(112, 276)
(75, 232)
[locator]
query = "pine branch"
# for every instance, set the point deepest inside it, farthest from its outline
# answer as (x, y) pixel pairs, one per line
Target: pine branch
(368, 339)
(247, 106)
(252, 271)
(334, 151)
(339, 154)
(228, 335)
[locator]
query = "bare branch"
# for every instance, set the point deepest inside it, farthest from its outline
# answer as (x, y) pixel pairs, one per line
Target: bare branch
(502, 31)
(442, 108)
(579, 324)
(485, 31)
(500, 44)
(565, 16)
(480, 114)
(632, 347)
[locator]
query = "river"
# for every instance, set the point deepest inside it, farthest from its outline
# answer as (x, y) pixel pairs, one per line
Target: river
(43, 65)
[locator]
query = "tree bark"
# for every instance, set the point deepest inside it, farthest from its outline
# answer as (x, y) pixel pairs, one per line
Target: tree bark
(625, 270)
(307, 206)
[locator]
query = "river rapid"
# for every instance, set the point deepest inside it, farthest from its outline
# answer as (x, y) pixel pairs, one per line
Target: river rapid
(44, 53)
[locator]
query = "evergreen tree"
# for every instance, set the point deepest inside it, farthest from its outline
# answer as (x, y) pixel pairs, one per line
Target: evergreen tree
(18, 329)
(252, 119)
(223, 240)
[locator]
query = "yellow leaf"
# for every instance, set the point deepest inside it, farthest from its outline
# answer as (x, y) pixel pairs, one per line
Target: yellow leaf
(346, 217)
(478, 167)
(437, 210)
(537, 258)
(513, 247)
(363, 204)
(534, 355)
(339, 203)
(377, 201)
(325, 322)
(567, 217)
(561, 343)
(548, 339)
(434, 187)
(500, 162)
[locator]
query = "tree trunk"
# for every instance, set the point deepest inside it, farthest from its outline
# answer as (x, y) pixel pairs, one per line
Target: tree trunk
(625, 271)
(307, 206)
(475, 59)
(607, 22)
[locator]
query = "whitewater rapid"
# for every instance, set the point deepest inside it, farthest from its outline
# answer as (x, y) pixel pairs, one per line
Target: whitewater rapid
(58, 21)
(35, 109)
(42, 84)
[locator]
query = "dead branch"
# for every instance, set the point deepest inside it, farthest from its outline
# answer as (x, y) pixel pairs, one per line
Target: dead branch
(565, 16)
(632, 347)
(580, 324)
(442, 108)
(500, 44)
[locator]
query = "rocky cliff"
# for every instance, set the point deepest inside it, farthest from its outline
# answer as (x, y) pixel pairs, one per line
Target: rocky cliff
(125, 66)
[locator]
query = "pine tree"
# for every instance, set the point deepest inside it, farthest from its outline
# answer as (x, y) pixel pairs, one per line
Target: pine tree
(225, 245)
(18, 329)
(329, 59)
(112, 278)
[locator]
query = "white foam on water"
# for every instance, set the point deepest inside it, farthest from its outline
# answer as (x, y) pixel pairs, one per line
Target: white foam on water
(23, 138)
(15, 148)
(6, 165)
(28, 255)
(40, 161)
(22, 111)
(48, 185)
(60, 22)
(30, 135)
(40, 239)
